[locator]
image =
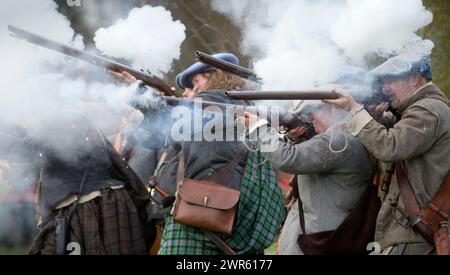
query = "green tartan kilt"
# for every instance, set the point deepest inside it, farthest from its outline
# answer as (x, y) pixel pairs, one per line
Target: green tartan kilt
(259, 217)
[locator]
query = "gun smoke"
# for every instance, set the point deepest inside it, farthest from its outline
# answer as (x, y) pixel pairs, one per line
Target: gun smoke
(38, 83)
(149, 37)
(305, 44)
(302, 44)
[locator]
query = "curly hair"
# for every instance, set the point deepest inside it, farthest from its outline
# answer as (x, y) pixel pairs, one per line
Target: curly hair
(226, 81)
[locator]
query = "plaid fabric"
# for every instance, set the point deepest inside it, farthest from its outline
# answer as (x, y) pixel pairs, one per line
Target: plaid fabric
(259, 217)
(108, 225)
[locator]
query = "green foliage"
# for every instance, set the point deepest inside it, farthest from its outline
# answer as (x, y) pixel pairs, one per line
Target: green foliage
(439, 32)
(13, 251)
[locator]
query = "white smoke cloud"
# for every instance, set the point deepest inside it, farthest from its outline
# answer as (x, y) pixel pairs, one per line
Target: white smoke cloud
(29, 87)
(23, 14)
(149, 37)
(103, 103)
(20, 62)
(20, 59)
(100, 13)
(298, 44)
(37, 83)
(385, 27)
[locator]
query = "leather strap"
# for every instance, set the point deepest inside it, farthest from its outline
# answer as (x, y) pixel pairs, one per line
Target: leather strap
(426, 221)
(80, 189)
(407, 193)
(224, 176)
(440, 204)
(294, 184)
(181, 170)
(219, 242)
(387, 179)
(301, 213)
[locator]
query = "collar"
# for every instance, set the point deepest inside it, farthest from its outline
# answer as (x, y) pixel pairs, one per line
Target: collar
(428, 90)
(421, 88)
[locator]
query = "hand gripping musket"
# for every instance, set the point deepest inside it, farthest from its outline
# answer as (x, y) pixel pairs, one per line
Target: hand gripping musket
(286, 119)
(148, 79)
(227, 67)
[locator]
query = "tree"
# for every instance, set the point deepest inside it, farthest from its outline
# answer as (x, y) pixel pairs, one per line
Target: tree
(439, 32)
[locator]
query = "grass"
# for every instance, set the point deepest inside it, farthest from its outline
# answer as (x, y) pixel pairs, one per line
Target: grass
(272, 250)
(438, 32)
(13, 251)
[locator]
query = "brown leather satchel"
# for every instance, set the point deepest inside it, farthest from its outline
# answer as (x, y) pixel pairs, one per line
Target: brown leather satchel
(431, 221)
(352, 236)
(207, 204)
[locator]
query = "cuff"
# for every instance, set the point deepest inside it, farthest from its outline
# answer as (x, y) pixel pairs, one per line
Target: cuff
(256, 125)
(359, 119)
(292, 142)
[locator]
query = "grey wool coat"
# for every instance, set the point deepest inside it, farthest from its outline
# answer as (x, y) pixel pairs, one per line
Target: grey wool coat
(330, 183)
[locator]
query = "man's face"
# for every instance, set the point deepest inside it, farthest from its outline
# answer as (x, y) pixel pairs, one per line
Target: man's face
(399, 90)
(200, 83)
(321, 120)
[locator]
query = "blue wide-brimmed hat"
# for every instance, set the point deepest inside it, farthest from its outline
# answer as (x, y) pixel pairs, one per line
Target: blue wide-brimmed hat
(177, 81)
(399, 67)
(184, 79)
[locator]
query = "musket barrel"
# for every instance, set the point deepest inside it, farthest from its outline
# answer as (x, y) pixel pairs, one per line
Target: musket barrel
(227, 66)
(206, 104)
(96, 60)
(283, 95)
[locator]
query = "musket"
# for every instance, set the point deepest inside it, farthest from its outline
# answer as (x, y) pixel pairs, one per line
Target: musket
(227, 67)
(286, 119)
(374, 100)
(283, 95)
(148, 79)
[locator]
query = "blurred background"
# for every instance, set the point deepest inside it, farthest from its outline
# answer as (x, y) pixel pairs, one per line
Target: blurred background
(208, 31)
